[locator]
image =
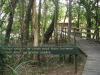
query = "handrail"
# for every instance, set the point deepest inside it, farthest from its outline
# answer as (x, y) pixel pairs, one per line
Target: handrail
(80, 30)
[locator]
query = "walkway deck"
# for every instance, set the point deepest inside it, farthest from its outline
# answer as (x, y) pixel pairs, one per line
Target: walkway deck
(92, 49)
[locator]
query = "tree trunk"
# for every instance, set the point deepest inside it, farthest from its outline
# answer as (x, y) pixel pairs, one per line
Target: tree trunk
(87, 5)
(39, 19)
(21, 20)
(97, 19)
(53, 25)
(70, 19)
(27, 21)
(49, 31)
(88, 17)
(55, 20)
(78, 21)
(12, 5)
(35, 25)
(44, 21)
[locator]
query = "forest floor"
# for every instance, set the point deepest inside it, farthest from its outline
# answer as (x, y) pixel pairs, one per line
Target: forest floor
(52, 69)
(58, 69)
(67, 70)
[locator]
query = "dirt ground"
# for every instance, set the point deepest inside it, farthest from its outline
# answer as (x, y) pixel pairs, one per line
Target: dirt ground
(62, 69)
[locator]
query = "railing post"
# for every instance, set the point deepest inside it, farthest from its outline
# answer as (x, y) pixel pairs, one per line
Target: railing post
(74, 36)
(81, 33)
(75, 62)
(65, 33)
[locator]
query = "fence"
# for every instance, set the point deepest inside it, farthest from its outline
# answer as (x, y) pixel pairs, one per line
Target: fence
(82, 32)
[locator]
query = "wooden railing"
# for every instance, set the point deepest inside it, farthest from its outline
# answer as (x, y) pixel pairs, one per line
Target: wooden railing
(82, 32)
(62, 36)
(77, 32)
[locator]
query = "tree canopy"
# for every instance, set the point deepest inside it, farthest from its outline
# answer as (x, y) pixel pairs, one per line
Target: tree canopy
(35, 21)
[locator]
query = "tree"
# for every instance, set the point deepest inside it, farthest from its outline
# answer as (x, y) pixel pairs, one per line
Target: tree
(78, 17)
(88, 5)
(44, 22)
(53, 24)
(39, 18)
(27, 21)
(21, 19)
(56, 20)
(97, 19)
(35, 25)
(12, 6)
(49, 31)
(70, 19)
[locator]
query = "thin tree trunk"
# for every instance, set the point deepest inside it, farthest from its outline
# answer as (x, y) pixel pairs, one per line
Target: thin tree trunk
(21, 20)
(12, 5)
(70, 23)
(78, 21)
(55, 20)
(87, 5)
(35, 25)
(39, 19)
(53, 24)
(88, 17)
(27, 21)
(97, 23)
(49, 31)
(44, 21)
(70, 19)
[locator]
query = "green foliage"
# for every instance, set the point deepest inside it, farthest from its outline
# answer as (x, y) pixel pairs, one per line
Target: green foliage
(6, 7)
(20, 12)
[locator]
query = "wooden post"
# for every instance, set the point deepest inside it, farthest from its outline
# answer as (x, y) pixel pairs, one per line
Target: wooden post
(64, 34)
(74, 37)
(39, 60)
(81, 33)
(75, 62)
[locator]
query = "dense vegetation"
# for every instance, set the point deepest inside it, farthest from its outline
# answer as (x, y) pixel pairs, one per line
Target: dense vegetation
(33, 22)
(36, 20)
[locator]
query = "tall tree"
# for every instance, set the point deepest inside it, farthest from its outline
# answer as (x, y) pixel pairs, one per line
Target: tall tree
(21, 20)
(97, 19)
(12, 6)
(53, 24)
(27, 21)
(78, 16)
(70, 19)
(45, 20)
(87, 5)
(39, 18)
(35, 25)
(49, 31)
(56, 20)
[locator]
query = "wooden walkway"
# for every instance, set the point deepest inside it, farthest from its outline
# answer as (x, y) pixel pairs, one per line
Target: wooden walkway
(92, 49)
